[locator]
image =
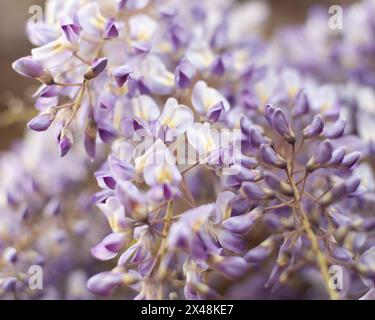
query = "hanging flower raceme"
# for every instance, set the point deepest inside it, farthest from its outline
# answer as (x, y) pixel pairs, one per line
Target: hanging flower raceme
(221, 165)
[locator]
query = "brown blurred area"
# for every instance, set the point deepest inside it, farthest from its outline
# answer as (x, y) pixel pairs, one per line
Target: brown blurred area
(14, 89)
(14, 44)
(286, 12)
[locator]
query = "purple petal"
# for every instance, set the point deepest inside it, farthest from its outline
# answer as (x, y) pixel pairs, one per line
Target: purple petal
(232, 267)
(337, 156)
(270, 157)
(230, 241)
(257, 254)
(110, 29)
(184, 73)
(269, 113)
(280, 123)
(71, 28)
(98, 66)
(114, 242)
(28, 67)
(350, 159)
(66, 142)
(214, 113)
(106, 132)
(352, 184)
(42, 122)
(314, 129)
(102, 253)
(103, 283)
(242, 223)
(90, 139)
(121, 75)
(121, 170)
(336, 130)
(302, 105)
(254, 192)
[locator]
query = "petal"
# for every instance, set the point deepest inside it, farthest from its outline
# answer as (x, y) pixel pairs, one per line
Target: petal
(144, 107)
(102, 253)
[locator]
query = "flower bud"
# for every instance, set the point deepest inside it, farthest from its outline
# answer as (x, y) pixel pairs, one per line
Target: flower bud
(248, 162)
(314, 129)
(259, 253)
(103, 283)
(276, 184)
(43, 121)
(333, 195)
(249, 175)
(254, 192)
(302, 105)
(90, 138)
(96, 68)
(271, 158)
(257, 139)
(28, 67)
(242, 223)
(336, 130)
(352, 184)
(350, 159)
(231, 267)
(269, 113)
(66, 141)
(280, 123)
(341, 254)
(322, 155)
(337, 156)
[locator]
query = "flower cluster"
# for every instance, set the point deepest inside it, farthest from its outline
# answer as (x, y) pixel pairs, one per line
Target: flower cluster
(332, 52)
(223, 165)
(342, 55)
(42, 220)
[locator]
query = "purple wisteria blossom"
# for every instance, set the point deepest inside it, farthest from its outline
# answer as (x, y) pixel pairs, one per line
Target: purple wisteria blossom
(226, 165)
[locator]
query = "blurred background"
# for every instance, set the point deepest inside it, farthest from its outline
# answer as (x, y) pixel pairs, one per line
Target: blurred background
(15, 103)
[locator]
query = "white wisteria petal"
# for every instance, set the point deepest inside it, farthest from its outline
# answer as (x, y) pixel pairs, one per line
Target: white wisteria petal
(91, 19)
(54, 53)
(200, 55)
(156, 154)
(142, 28)
(204, 98)
(158, 77)
(202, 138)
(176, 116)
(144, 107)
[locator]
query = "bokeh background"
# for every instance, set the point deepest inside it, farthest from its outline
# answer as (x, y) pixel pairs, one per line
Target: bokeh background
(15, 91)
